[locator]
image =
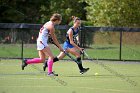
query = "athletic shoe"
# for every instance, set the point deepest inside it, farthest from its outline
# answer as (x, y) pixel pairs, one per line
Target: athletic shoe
(45, 65)
(84, 70)
(24, 64)
(52, 74)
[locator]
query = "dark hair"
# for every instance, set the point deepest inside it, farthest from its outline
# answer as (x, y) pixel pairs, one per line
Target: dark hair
(75, 18)
(72, 19)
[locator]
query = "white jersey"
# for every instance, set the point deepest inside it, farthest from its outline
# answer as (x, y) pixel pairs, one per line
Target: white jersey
(43, 37)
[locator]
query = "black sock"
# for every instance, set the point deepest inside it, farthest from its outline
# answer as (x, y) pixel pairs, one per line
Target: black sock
(80, 63)
(80, 66)
(55, 59)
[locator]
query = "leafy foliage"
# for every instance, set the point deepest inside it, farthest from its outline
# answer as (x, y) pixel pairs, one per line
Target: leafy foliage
(39, 11)
(114, 12)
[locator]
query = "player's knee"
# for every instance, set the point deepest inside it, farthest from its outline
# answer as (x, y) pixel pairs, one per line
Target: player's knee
(51, 57)
(78, 55)
(42, 60)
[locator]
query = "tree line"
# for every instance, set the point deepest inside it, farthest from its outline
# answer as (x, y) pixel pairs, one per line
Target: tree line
(92, 12)
(118, 13)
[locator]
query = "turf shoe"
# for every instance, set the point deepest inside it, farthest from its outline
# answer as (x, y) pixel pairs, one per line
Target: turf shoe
(24, 64)
(45, 65)
(52, 74)
(84, 70)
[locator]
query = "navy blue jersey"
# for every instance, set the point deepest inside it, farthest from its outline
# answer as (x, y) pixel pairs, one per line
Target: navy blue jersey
(75, 34)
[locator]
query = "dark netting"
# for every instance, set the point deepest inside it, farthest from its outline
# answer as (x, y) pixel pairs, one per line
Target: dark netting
(101, 44)
(131, 45)
(19, 41)
(111, 43)
(10, 43)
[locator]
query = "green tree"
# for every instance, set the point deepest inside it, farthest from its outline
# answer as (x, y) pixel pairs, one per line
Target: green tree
(67, 8)
(114, 12)
(39, 11)
(21, 10)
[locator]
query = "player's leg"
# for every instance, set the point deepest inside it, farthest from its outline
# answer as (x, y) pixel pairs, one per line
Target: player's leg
(78, 58)
(40, 47)
(59, 57)
(62, 54)
(37, 60)
(48, 52)
(34, 60)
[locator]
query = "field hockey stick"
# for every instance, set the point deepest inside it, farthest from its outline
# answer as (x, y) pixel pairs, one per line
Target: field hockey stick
(70, 57)
(84, 52)
(87, 56)
(67, 54)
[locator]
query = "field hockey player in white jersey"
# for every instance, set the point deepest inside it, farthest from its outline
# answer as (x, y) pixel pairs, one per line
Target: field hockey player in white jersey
(42, 44)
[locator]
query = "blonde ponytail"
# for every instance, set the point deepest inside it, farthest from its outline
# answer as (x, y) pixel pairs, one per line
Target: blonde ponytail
(56, 17)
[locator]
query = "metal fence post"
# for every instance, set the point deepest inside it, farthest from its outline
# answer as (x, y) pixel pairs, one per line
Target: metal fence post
(120, 54)
(81, 39)
(22, 45)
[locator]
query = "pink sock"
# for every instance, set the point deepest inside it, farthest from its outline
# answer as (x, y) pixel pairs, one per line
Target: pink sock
(50, 65)
(34, 61)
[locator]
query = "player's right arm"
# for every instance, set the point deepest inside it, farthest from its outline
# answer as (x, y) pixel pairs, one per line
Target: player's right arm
(52, 33)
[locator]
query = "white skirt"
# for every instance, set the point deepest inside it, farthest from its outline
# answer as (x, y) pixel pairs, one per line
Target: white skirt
(41, 45)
